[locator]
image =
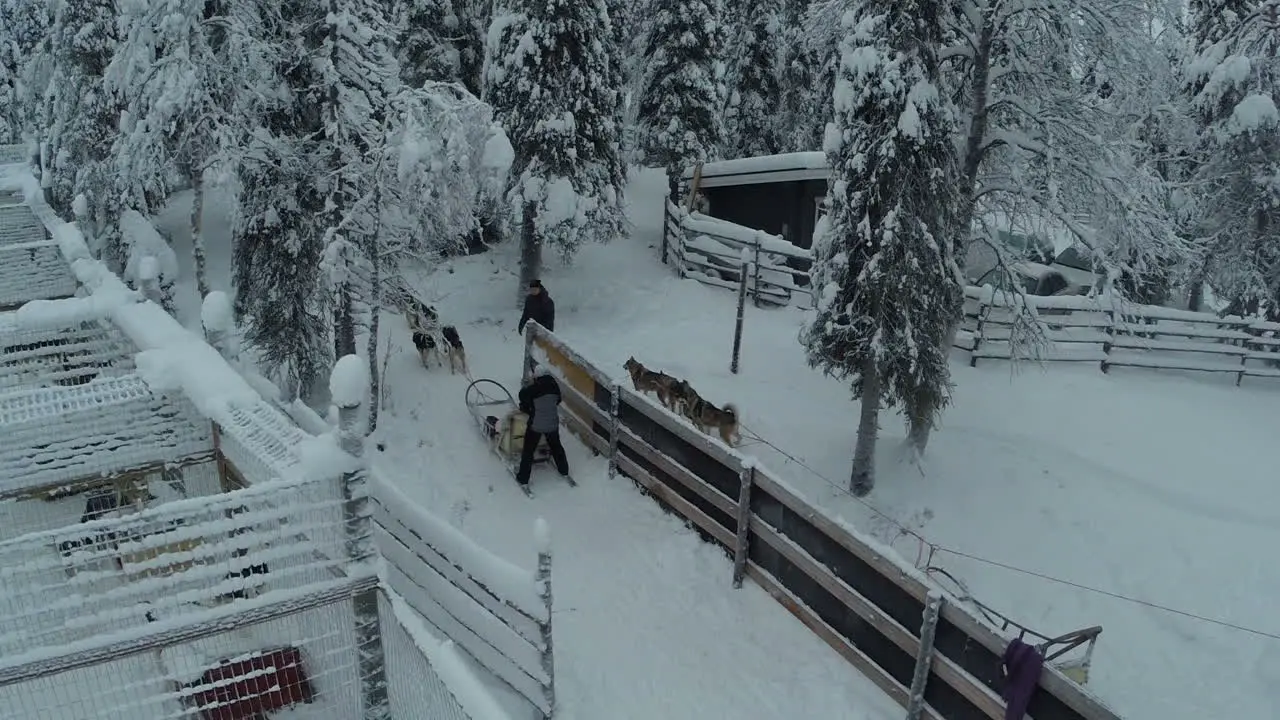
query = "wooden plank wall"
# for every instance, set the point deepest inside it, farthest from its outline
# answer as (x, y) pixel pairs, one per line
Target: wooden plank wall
(866, 606)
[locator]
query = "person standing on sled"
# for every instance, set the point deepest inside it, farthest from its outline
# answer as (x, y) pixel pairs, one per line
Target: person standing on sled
(540, 400)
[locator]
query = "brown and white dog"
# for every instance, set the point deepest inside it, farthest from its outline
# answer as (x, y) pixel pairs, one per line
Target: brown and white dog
(646, 380)
(706, 416)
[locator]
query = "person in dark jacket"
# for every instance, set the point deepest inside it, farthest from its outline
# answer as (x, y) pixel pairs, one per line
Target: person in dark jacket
(540, 400)
(538, 307)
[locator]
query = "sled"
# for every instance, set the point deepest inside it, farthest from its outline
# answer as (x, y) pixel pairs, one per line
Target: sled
(501, 422)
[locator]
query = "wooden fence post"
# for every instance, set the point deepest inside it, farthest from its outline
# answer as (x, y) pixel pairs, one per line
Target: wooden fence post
(755, 269)
(737, 328)
(746, 478)
(527, 371)
(358, 521)
(1110, 330)
(924, 659)
(614, 392)
(666, 223)
(220, 460)
(543, 578)
(978, 329)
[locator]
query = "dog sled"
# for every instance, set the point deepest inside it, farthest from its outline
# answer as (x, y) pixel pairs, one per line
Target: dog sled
(502, 423)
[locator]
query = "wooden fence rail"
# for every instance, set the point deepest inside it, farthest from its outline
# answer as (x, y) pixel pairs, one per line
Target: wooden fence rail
(875, 610)
(715, 252)
(1078, 329)
(1116, 334)
(496, 612)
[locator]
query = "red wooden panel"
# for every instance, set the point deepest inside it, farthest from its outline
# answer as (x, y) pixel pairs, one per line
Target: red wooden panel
(247, 688)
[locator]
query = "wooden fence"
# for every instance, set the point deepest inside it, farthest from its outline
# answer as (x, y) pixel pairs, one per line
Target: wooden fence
(871, 608)
(1116, 334)
(715, 252)
(499, 613)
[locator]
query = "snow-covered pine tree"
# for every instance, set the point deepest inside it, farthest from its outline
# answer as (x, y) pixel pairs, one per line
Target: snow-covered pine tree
(679, 111)
(1235, 81)
(757, 81)
(81, 119)
(425, 51)
(278, 235)
(809, 73)
(470, 41)
(1213, 20)
(10, 71)
(1013, 71)
(554, 84)
(358, 76)
(24, 28)
(884, 266)
(190, 78)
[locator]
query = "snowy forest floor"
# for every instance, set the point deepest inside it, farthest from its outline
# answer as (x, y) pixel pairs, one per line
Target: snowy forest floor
(1100, 480)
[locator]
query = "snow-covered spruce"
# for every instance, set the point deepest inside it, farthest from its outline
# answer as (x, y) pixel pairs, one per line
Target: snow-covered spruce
(679, 114)
(1236, 204)
(756, 90)
(80, 119)
(193, 80)
(884, 267)
(555, 84)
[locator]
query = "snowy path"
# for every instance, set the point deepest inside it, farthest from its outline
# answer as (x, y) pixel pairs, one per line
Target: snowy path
(1158, 486)
(647, 624)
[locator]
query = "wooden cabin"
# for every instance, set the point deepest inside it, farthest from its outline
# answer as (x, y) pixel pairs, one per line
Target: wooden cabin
(780, 194)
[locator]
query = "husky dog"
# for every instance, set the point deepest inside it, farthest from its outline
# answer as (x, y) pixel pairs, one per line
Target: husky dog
(428, 348)
(706, 416)
(454, 349)
(646, 380)
(424, 323)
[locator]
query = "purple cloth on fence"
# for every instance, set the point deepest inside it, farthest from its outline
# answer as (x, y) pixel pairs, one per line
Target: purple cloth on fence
(1022, 666)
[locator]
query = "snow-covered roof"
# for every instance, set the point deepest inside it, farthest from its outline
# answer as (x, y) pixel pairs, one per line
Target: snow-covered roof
(30, 265)
(786, 167)
(120, 383)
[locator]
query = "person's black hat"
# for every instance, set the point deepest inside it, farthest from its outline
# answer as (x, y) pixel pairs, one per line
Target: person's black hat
(535, 283)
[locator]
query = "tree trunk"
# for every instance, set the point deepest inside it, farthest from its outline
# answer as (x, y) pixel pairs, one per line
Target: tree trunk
(344, 323)
(863, 478)
(920, 418)
(375, 311)
(197, 233)
(530, 253)
(1195, 298)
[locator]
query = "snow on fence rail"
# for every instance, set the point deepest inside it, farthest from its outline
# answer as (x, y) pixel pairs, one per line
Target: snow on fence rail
(715, 252)
(32, 270)
(65, 585)
(498, 612)
(1113, 333)
(857, 595)
(13, 154)
(223, 662)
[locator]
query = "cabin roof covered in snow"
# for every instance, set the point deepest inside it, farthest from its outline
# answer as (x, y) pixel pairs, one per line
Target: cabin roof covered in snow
(787, 167)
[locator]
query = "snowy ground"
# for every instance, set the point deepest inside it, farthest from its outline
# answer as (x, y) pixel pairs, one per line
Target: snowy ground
(1156, 486)
(1151, 485)
(648, 624)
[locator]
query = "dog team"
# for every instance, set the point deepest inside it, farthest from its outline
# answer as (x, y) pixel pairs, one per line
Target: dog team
(679, 396)
(434, 342)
